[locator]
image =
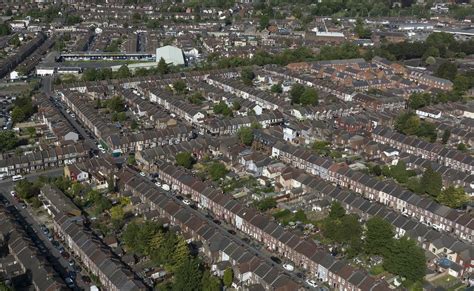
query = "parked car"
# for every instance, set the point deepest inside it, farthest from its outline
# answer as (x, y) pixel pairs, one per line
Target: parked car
(288, 267)
(187, 201)
(71, 263)
(311, 283)
(70, 282)
(275, 259)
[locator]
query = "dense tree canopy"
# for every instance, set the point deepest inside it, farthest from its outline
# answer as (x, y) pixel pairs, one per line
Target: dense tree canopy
(453, 197)
(378, 236)
(185, 159)
(245, 135)
(406, 259)
(8, 140)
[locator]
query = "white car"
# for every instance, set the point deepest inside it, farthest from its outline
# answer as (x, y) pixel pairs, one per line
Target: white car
(142, 174)
(158, 184)
(311, 283)
(13, 193)
(289, 267)
(187, 202)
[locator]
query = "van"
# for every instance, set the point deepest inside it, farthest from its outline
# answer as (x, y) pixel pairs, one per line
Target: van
(17, 178)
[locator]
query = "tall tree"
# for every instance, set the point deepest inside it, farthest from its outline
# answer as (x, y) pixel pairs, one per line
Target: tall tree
(181, 252)
(432, 182)
(228, 277)
(406, 259)
(379, 236)
(247, 76)
(245, 135)
(295, 93)
(188, 276)
(447, 70)
(124, 72)
(446, 136)
(163, 67)
(337, 211)
(210, 282)
(185, 160)
(453, 197)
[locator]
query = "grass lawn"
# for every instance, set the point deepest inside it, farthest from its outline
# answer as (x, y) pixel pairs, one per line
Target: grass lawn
(445, 281)
(376, 270)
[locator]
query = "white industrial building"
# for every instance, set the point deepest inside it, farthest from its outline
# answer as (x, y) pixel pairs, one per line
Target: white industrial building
(171, 55)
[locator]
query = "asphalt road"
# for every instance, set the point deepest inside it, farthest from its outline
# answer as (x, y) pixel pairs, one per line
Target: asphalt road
(238, 240)
(224, 230)
(54, 172)
(46, 87)
(32, 226)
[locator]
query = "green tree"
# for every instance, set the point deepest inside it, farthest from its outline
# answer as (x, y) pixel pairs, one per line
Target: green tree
(163, 67)
(179, 86)
(228, 277)
(322, 148)
(111, 187)
(399, 172)
(236, 106)
(419, 100)
(116, 104)
(4, 29)
(196, 98)
(447, 70)
(407, 123)
(245, 135)
(8, 140)
(453, 197)
(247, 76)
(378, 236)
(277, 88)
(430, 60)
(210, 282)
(432, 182)
(360, 29)
(131, 160)
(137, 237)
(181, 252)
(295, 93)
(124, 72)
(18, 115)
(223, 109)
(264, 22)
(406, 259)
(117, 213)
(446, 136)
(185, 159)
(188, 276)
(266, 203)
(26, 190)
(217, 171)
(309, 97)
(337, 211)
(461, 147)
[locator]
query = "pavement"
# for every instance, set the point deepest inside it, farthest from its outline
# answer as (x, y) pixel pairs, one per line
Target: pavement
(46, 87)
(224, 230)
(32, 225)
(238, 240)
